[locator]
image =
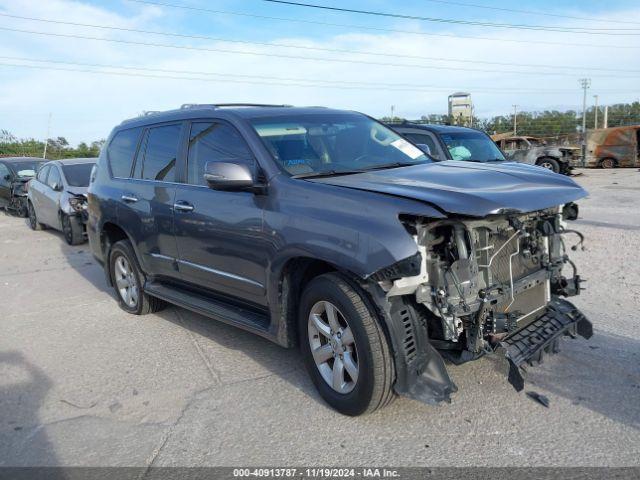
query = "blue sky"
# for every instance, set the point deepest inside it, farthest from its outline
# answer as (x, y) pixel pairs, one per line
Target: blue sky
(417, 64)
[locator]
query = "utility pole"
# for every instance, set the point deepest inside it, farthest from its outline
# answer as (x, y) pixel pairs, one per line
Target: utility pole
(46, 140)
(606, 117)
(515, 120)
(595, 120)
(585, 83)
(393, 109)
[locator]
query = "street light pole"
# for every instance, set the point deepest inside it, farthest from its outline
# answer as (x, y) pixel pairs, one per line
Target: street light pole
(515, 120)
(585, 83)
(595, 122)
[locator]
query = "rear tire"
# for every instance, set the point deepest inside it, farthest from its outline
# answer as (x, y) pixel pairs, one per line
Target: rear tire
(128, 280)
(349, 341)
(33, 218)
(72, 230)
(550, 164)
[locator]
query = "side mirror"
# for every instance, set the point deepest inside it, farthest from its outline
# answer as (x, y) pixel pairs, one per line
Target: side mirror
(57, 187)
(228, 176)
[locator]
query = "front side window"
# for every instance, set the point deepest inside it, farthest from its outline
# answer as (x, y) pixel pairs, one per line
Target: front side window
(121, 151)
(54, 179)
(159, 154)
(321, 143)
(424, 139)
(471, 146)
(214, 142)
(5, 175)
(78, 175)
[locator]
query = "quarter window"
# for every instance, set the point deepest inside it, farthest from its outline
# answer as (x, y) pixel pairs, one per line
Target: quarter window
(214, 142)
(121, 151)
(54, 178)
(42, 174)
(158, 160)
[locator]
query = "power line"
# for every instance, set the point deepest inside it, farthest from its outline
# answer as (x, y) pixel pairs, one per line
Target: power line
(377, 29)
(581, 30)
(531, 12)
(300, 57)
(306, 47)
(133, 71)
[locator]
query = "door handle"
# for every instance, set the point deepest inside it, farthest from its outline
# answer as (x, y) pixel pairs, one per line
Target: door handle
(129, 198)
(183, 206)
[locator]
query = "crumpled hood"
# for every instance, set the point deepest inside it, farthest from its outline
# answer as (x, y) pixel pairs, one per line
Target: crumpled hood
(466, 188)
(78, 190)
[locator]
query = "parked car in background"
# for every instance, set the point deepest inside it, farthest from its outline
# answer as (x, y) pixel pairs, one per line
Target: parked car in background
(445, 142)
(15, 172)
(326, 229)
(535, 151)
(613, 147)
(57, 197)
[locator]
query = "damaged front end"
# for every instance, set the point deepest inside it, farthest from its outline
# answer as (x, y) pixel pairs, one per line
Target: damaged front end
(480, 286)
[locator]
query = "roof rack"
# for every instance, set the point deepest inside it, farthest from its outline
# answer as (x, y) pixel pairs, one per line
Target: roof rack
(222, 105)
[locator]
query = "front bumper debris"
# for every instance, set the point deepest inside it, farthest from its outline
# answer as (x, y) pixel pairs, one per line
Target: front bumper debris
(529, 345)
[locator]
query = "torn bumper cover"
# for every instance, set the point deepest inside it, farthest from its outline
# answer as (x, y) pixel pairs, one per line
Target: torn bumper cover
(528, 345)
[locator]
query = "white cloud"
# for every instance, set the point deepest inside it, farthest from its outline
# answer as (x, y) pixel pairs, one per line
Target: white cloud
(85, 106)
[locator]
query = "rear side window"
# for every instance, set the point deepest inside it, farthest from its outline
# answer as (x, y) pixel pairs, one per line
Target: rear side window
(158, 155)
(121, 151)
(214, 142)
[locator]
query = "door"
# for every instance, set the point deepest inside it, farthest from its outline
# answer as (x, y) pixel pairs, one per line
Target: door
(221, 244)
(50, 199)
(5, 185)
(146, 206)
(36, 189)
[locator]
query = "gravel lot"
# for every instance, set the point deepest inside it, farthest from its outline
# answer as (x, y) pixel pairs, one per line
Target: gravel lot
(83, 383)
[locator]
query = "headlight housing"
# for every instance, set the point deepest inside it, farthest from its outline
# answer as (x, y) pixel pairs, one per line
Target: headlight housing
(78, 203)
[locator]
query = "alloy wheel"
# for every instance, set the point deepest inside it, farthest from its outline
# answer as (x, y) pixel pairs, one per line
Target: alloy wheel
(126, 282)
(333, 347)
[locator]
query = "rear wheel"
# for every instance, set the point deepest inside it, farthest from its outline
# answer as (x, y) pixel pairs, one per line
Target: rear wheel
(608, 163)
(128, 281)
(550, 164)
(33, 219)
(344, 347)
(72, 230)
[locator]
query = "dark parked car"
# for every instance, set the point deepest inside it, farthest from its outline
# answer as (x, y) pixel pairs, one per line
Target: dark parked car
(445, 142)
(326, 229)
(15, 172)
(57, 197)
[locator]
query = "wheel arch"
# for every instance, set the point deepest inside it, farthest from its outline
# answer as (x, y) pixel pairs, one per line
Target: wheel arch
(110, 233)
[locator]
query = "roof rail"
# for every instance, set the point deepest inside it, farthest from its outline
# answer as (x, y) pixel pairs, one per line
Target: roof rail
(150, 112)
(222, 105)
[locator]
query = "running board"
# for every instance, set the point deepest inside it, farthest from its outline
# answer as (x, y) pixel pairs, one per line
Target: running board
(212, 307)
(529, 345)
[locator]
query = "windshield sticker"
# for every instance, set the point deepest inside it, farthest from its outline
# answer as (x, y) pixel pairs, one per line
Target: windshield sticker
(408, 149)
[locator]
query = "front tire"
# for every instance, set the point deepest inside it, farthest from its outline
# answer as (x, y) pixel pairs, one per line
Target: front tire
(128, 279)
(608, 163)
(550, 164)
(72, 230)
(344, 347)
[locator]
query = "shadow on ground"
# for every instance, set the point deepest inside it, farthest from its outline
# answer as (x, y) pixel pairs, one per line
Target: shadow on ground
(23, 388)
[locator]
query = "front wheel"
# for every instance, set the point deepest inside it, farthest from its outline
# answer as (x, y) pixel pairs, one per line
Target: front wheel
(608, 163)
(344, 347)
(550, 164)
(72, 230)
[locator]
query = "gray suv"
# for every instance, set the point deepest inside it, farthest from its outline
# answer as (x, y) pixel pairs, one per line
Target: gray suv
(327, 230)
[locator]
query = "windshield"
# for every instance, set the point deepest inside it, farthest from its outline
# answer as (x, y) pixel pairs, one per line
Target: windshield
(78, 175)
(26, 169)
(471, 146)
(333, 143)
